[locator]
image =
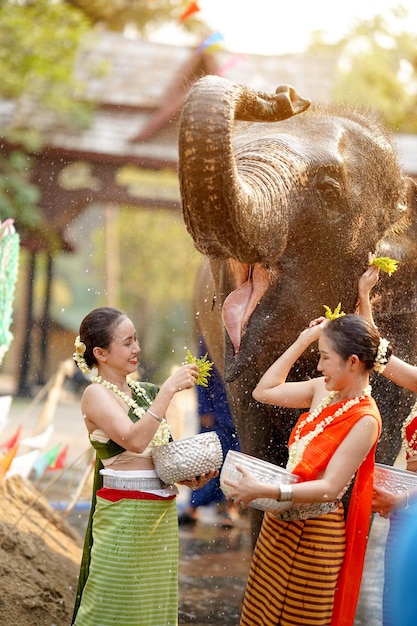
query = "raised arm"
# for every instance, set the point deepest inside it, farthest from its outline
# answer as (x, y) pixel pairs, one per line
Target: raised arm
(397, 370)
(273, 388)
(368, 280)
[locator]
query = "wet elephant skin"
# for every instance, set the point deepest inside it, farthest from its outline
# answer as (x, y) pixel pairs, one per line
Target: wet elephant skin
(285, 199)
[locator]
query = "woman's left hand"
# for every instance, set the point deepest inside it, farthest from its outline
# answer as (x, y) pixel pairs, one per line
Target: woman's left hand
(199, 481)
(244, 490)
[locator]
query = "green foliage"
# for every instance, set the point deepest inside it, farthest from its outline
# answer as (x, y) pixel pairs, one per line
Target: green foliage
(158, 265)
(19, 199)
(378, 69)
(39, 42)
(143, 15)
(18, 196)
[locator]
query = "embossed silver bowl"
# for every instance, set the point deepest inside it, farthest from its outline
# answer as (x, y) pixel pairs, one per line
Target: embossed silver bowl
(394, 479)
(263, 471)
(189, 457)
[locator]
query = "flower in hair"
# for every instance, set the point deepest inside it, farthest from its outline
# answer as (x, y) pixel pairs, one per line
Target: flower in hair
(381, 355)
(78, 355)
(333, 315)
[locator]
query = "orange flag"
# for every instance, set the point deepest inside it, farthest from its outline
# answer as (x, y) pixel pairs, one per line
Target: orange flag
(6, 461)
(13, 441)
(189, 11)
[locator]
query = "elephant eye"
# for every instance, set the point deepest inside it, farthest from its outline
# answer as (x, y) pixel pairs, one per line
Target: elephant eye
(329, 191)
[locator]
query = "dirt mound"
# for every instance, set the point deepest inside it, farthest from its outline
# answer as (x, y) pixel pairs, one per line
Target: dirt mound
(39, 559)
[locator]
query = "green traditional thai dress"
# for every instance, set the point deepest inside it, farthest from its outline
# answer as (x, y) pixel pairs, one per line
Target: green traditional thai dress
(129, 568)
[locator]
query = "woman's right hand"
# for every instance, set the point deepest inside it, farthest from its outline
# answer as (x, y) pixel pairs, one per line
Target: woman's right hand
(184, 377)
(384, 502)
(369, 278)
(314, 329)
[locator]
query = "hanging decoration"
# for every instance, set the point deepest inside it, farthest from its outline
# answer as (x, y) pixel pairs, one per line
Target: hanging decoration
(9, 261)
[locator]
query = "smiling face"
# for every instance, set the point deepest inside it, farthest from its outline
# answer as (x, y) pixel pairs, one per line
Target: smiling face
(332, 366)
(124, 349)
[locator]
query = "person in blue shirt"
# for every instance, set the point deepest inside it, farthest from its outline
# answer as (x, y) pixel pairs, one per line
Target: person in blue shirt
(214, 414)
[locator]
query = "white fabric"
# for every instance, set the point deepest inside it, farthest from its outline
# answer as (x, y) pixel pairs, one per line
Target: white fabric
(170, 490)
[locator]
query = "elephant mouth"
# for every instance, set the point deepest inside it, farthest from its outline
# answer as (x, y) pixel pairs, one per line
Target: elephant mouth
(251, 281)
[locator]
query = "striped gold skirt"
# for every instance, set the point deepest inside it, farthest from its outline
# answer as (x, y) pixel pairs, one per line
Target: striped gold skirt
(294, 571)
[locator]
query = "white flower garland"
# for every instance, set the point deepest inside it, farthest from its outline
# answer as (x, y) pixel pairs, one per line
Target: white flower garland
(381, 355)
(162, 435)
(407, 446)
(78, 356)
(296, 451)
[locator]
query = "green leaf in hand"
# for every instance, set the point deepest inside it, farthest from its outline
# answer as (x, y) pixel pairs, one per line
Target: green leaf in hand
(204, 367)
(385, 264)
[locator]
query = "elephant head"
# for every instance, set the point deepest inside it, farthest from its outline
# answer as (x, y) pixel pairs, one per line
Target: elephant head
(285, 200)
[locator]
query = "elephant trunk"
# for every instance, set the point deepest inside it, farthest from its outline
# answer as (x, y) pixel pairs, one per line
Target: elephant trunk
(218, 186)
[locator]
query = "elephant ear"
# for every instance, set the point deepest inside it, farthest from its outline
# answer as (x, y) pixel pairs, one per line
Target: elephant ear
(400, 240)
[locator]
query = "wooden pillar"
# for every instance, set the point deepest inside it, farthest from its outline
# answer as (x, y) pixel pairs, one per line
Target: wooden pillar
(23, 386)
(45, 322)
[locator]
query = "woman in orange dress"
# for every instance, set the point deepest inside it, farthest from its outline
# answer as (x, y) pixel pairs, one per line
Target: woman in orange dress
(307, 563)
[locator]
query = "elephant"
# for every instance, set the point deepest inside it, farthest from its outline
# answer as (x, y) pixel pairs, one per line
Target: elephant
(284, 199)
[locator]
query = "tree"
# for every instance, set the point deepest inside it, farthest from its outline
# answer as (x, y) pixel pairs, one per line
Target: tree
(143, 15)
(378, 69)
(39, 42)
(158, 264)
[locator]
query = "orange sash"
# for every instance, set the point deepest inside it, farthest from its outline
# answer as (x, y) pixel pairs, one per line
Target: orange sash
(315, 459)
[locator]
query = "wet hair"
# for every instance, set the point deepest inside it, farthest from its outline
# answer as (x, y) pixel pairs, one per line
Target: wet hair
(96, 330)
(353, 334)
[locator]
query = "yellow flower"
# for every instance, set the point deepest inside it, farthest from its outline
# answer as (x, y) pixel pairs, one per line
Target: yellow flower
(333, 315)
(204, 367)
(385, 264)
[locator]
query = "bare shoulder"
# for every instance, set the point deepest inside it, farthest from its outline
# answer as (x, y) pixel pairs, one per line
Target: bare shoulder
(94, 395)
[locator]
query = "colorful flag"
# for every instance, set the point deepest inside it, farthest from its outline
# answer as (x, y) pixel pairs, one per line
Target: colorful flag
(60, 460)
(212, 42)
(13, 441)
(6, 461)
(45, 460)
(22, 465)
(235, 60)
(189, 11)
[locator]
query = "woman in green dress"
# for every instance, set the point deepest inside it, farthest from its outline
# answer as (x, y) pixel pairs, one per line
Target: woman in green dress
(129, 570)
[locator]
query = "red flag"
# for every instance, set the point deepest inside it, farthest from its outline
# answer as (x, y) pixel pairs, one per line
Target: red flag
(189, 11)
(13, 441)
(60, 460)
(6, 461)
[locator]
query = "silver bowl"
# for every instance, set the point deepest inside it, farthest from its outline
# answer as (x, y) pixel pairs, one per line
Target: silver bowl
(263, 471)
(186, 458)
(394, 479)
